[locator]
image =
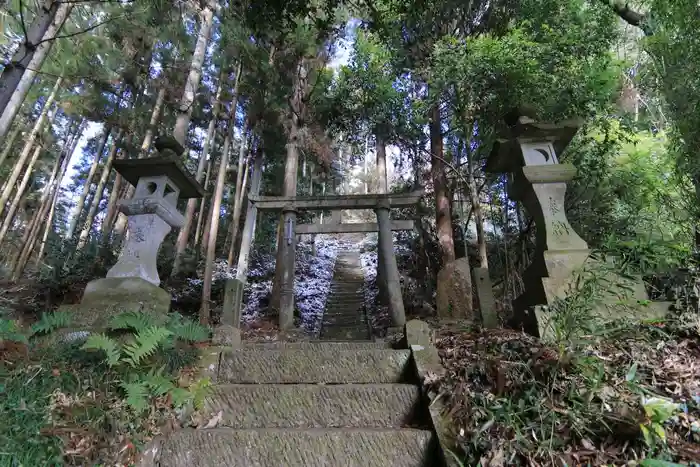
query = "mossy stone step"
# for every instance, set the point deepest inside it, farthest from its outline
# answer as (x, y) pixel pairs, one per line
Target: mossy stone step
(314, 405)
(345, 321)
(318, 346)
(306, 365)
(295, 448)
(332, 332)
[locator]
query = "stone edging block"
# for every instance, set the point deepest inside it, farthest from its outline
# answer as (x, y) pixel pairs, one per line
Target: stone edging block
(427, 364)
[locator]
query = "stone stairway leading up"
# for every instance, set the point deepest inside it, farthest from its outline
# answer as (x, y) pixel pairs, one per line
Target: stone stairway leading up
(344, 317)
(309, 404)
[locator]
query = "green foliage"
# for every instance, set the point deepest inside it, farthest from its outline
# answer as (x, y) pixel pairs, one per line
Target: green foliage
(658, 412)
(187, 330)
(11, 331)
(132, 321)
(553, 58)
(141, 353)
(146, 342)
(107, 345)
(50, 322)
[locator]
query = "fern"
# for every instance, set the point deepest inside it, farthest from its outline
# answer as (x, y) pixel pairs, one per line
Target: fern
(158, 383)
(108, 345)
(200, 390)
(10, 330)
(132, 320)
(145, 344)
(180, 396)
(50, 322)
(190, 331)
(136, 395)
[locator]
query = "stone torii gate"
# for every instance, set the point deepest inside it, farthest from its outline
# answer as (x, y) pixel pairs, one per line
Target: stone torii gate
(381, 203)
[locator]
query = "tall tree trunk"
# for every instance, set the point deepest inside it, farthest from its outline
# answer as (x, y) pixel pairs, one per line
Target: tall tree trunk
(14, 175)
(19, 193)
(248, 233)
(37, 213)
(283, 287)
(116, 193)
(204, 311)
(69, 149)
(9, 143)
(202, 207)
(443, 215)
(478, 215)
(16, 80)
(184, 234)
(182, 123)
(153, 123)
(51, 193)
(79, 205)
(47, 228)
(90, 218)
(236, 217)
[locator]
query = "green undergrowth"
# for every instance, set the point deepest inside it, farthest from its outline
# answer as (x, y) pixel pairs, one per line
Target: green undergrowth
(95, 401)
(594, 392)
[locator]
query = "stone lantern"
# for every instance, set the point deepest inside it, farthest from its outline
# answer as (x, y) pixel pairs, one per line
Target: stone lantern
(152, 212)
(529, 154)
(132, 284)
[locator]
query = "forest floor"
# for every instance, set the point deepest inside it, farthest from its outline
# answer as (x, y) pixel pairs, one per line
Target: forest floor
(629, 395)
(624, 396)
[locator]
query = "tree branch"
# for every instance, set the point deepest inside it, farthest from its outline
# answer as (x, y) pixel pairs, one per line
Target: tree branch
(24, 26)
(65, 36)
(630, 16)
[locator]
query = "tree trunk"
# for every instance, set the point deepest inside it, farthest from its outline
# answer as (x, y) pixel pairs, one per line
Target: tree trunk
(382, 188)
(10, 215)
(69, 149)
(79, 205)
(14, 175)
(182, 123)
(283, 287)
(236, 217)
(202, 207)
(16, 80)
(47, 203)
(443, 215)
(47, 228)
(155, 118)
(478, 215)
(204, 311)
(248, 234)
(90, 218)
(116, 193)
(184, 234)
(37, 213)
(9, 143)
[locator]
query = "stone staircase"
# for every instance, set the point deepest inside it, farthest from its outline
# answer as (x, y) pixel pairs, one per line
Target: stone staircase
(309, 404)
(344, 317)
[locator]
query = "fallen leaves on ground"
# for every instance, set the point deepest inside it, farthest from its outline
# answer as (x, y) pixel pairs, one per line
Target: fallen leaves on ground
(515, 400)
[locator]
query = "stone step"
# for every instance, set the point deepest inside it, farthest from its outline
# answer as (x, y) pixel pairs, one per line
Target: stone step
(344, 321)
(345, 332)
(314, 405)
(318, 346)
(342, 447)
(346, 293)
(307, 365)
(344, 305)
